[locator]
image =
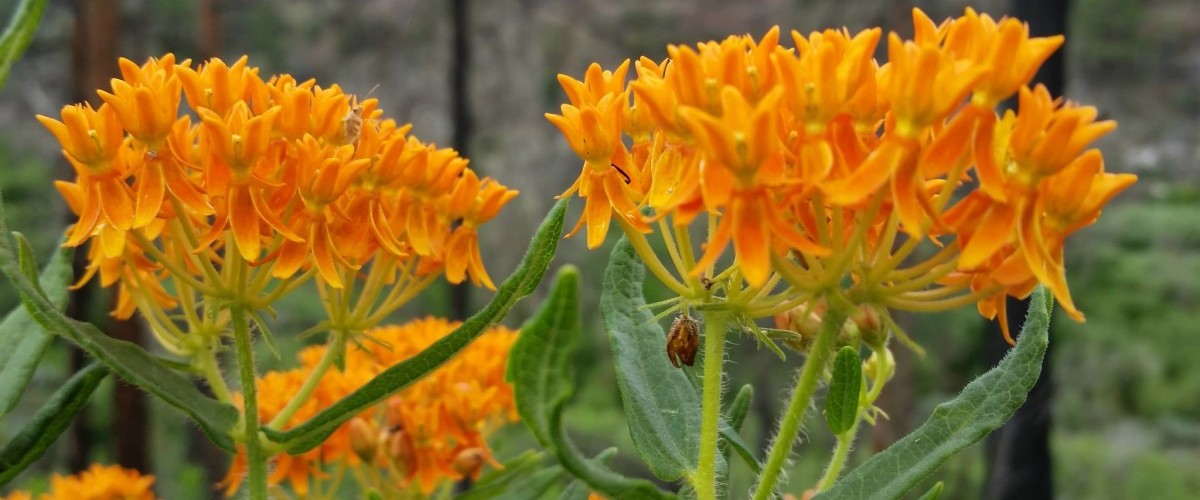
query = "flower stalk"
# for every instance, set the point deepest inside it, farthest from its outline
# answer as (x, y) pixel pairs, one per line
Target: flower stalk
(802, 393)
(715, 327)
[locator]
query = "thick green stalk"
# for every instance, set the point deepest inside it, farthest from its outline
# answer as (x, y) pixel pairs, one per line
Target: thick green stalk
(705, 480)
(802, 394)
(256, 458)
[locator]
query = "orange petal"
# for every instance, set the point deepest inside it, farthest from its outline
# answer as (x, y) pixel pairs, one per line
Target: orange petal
(751, 239)
(996, 229)
(151, 189)
(115, 203)
(598, 212)
(243, 219)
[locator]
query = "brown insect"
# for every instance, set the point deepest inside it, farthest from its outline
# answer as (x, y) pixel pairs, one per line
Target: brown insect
(352, 122)
(683, 340)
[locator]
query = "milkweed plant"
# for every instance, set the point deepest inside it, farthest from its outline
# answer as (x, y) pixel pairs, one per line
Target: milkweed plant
(791, 195)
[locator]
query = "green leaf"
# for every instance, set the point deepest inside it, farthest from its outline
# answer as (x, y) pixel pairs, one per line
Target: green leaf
(540, 371)
(19, 34)
(735, 416)
(23, 339)
(532, 486)
(660, 402)
(128, 360)
(523, 281)
(578, 490)
(934, 493)
(515, 473)
(982, 406)
(51, 420)
(841, 403)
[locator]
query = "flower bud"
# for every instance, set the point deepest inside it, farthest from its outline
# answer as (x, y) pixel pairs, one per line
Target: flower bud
(364, 439)
(683, 341)
(401, 451)
(469, 462)
(870, 326)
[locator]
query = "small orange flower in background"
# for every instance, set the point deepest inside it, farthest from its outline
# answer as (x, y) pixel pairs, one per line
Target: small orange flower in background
(828, 170)
(98, 482)
(431, 432)
(272, 183)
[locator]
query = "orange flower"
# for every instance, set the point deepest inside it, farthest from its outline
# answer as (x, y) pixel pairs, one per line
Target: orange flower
(828, 170)
(98, 482)
(421, 431)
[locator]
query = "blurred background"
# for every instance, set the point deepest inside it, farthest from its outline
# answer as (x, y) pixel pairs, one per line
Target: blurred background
(1117, 416)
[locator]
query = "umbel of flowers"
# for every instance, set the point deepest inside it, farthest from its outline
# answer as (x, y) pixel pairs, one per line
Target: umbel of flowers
(827, 171)
(424, 438)
(98, 482)
(208, 192)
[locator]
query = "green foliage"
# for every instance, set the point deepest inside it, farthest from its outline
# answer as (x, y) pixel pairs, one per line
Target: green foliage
(841, 403)
(50, 421)
(934, 493)
(497, 481)
(19, 34)
(658, 399)
(540, 370)
(982, 406)
(128, 360)
(521, 283)
(24, 340)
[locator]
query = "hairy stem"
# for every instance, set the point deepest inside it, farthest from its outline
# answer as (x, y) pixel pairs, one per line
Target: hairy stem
(802, 395)
(705, 482)
(256, 459)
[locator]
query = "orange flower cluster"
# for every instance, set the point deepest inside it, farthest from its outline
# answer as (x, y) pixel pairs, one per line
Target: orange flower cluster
(826, 167)
(280, 175)
(431, 432)
(98, 482)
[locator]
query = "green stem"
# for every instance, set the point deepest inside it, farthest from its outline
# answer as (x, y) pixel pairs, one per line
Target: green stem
(841, 452)
(212, 375)
(256, 460)
(705, 480)
(314, 378)
(802, 394)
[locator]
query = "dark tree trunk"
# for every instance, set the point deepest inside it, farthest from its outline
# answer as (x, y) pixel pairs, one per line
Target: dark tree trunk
(460, 110)
(93, 63)
(1019, 459)
(209, 19)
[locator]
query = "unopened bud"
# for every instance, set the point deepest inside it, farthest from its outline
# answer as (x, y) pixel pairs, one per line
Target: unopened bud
(870, 326)
(364, 439)
(401, 451)
(469, 461)
(683, 341)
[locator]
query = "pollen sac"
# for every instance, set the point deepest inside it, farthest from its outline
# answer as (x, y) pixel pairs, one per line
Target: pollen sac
(683, 341)
(469, 462)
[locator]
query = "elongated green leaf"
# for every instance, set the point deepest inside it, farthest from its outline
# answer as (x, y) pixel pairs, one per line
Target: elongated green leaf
(660, 402)
(51, 420)
(982, 406)
(841, 403)
(540, 371)
(19, 34)
(523, 281)
(735, 416)
(513, 476)
(534, 485)
(934, 493)
(24, 340)
(578, 490)
(128, 360)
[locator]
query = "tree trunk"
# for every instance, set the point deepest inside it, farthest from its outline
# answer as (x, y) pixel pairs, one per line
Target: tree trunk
(95, 49)
(460, 110)
(1019, 461)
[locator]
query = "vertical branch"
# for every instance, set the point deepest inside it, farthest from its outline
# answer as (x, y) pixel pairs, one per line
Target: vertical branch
(93, 62)
(1019, 463)
(460, 110)
(209, 19)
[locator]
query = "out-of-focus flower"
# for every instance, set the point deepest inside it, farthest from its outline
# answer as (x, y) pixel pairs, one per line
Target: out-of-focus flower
(98, 482)
(427, 434)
